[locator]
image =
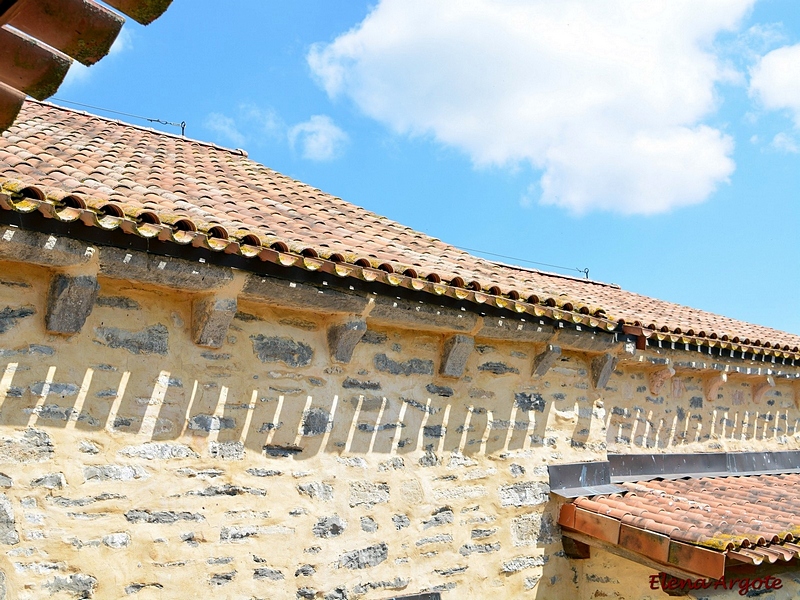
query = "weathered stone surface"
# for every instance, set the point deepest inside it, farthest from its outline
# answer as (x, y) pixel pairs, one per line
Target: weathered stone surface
(267, 573)
(69, 302)
(302, 296)
(158, 451)
(135, 588)
(117, 540)
(316, 421)
(368, 525)
(79, 585)
(328, 527)
(528, 402)
(544, 360)
(400, 521)
(282, 349)
(413, 366)
(69, 502)
(256, 472)
(442, 516)
(162, 517)
(8, 531)
(602, 367)
(227, 490)
(439, 390)
(575, 339)
(152, 340)
(43, 249)
(516, 330)
(350, 383)
(343, 338)
(5, 481)
(524, 493)
(366, 493)
(523, 562)
(305, 571)
(35, 446)
(497, 368)
(408, 314)
(280, 451)
(316, 490)
(114, 473)
(398, 583)
(211, 423)
(455, 354)
(51, 481)
(365, 557)
(162, 270)
(211, 318)
(442, 538)
(218, 579)
(468, 549)
(226, 450)
(9, 317)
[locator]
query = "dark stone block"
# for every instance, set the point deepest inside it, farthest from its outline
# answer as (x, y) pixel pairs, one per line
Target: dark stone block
(343, 338)
(153, 340)
(455, 354)
(317, 421)
(282, 349)
(498, 368)
(696, 402)
(365, 557)
(528, 402)
(9, 316)
(328, 527)
(351, 383)
(69, 302)
(439, 390)
(165, 517)
(281, 451)
(414, 366)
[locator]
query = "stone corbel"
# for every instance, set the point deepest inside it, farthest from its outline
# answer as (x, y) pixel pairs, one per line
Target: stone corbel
(601, 369)
(70, 301)
(658, 378)
(343, 338)
(712, 384)
(211, 317)
(543, 361)
(762, 388)
(455, 352)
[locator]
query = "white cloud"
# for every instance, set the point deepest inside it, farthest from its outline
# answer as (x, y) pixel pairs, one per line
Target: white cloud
(224, 126)
(783, 142)
(606, 98)
(320, 138)
(775, 81)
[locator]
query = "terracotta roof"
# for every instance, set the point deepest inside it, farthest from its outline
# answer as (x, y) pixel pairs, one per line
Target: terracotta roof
(39, 39)
(748, 519)
(74, 166)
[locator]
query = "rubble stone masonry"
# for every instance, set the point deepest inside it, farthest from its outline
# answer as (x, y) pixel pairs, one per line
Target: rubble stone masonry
(267, 463)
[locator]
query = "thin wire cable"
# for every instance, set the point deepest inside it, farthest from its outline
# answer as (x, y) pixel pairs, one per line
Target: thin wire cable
(182, 124)
(584, 272)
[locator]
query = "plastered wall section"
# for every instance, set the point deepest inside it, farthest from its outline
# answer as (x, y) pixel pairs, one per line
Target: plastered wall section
(135, 463)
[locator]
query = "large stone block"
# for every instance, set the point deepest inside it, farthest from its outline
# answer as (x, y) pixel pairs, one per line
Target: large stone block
(455, 353)
(343, 338)
(302, 296)
(69, 302)
(162, 270)
(408, 314)
(211, 318)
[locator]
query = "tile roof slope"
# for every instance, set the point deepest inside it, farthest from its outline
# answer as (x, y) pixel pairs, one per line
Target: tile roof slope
(752, 518)
(77, 153)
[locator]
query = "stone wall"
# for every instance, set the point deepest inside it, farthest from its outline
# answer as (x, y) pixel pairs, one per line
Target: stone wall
(136, 462)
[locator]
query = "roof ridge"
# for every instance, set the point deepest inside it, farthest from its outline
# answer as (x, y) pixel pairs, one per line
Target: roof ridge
(236, 151)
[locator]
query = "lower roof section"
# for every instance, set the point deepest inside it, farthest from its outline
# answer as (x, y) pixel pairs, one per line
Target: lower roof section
(698, 525)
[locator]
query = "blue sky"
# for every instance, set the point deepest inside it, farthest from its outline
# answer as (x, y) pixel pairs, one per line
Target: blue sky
(654, 143)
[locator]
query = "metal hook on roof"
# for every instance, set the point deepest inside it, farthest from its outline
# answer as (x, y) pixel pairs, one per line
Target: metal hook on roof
(584, 271)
